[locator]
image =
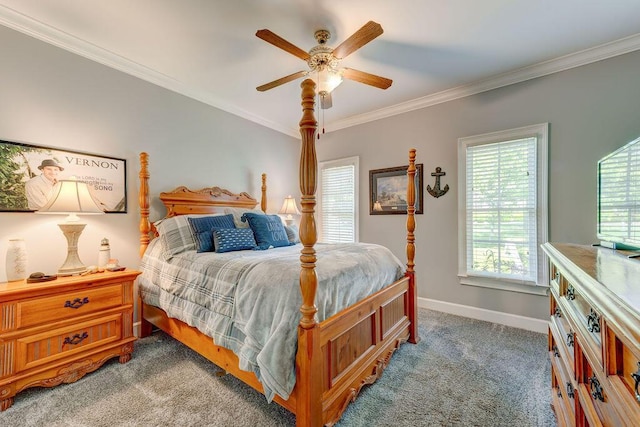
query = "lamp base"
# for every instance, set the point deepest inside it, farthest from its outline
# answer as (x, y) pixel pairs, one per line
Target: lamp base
(72, 265)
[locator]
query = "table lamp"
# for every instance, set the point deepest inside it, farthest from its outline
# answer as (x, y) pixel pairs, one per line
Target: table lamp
(71, 197)
(289, 208)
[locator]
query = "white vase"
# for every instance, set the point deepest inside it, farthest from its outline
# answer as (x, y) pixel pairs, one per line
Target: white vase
(16, 261)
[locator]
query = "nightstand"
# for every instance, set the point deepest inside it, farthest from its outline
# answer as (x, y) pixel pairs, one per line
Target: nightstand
(58, 331)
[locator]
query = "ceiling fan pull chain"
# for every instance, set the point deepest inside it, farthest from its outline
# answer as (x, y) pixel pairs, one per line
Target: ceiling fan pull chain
(319, 109)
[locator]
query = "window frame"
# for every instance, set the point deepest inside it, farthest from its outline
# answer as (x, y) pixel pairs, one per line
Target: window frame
(540, 132)
(346, 161)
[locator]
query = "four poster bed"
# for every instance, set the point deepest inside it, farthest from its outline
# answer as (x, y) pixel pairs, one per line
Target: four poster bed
(334, 358)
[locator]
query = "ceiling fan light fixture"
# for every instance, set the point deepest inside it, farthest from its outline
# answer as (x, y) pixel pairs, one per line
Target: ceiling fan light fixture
(327, 80)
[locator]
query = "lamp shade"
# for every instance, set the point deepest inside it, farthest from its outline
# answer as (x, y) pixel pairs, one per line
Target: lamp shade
(289, 206)
(74, 198)
(328, 80)
(70, 196)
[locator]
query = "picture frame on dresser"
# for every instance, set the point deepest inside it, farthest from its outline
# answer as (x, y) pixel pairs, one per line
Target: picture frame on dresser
(388, 189)
(28, 173)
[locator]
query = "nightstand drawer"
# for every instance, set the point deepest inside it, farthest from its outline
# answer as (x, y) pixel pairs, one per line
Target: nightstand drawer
(49, 346)
(71, 304)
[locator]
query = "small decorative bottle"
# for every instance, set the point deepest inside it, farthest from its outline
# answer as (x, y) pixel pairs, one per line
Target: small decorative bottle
(104, 254)
(16, 261)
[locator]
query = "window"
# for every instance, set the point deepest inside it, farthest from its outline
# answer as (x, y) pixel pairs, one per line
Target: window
(503, 209)
(338, 201)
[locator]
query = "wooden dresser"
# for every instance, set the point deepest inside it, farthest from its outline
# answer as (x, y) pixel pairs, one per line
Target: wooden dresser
(58, 331)
(594, 334)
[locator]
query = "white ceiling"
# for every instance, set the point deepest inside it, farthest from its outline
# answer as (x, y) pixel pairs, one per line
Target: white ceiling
(433, 50)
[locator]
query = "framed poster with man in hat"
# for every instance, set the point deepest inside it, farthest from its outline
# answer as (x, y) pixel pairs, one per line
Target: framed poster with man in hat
(29, 173)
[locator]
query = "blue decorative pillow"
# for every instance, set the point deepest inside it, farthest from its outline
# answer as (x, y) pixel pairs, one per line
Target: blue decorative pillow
(202, 227)
(233, 239)
(267, 230)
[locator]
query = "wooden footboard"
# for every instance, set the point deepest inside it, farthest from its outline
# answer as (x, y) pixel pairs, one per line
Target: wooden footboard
(357, 344)
(355, 347)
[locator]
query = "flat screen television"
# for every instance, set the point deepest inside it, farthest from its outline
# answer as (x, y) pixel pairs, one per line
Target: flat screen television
(619, 198)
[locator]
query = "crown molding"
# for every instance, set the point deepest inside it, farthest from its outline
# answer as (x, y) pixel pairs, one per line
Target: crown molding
(39, 30)
(566, 62)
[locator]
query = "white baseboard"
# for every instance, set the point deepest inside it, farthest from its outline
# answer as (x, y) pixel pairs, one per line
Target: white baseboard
(513, 320)
(136, 329)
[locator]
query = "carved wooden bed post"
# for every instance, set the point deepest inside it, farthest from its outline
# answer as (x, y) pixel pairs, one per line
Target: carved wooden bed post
(145, 226)
(411, 248)
(309, 363)
(145, 229)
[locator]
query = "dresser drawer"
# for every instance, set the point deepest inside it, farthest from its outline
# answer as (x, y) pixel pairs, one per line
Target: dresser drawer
(587, 321)
(63, 306)
(561, 411)
(595, 402)
(563, 399)
(562, 342)
(624, 376)
(46, 347)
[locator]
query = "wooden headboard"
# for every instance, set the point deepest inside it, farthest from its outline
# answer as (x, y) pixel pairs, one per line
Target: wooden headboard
(183, 201)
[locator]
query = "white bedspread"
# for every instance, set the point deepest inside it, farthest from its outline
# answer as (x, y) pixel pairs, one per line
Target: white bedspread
(249, 301)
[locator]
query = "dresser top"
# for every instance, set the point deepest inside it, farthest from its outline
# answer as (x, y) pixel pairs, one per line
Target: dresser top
(62, 283)
(612, 269)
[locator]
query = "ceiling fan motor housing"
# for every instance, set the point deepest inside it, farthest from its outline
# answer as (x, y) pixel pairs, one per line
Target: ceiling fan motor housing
(321, 56)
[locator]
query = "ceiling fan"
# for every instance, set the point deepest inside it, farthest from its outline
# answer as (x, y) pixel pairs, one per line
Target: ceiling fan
(324, 61)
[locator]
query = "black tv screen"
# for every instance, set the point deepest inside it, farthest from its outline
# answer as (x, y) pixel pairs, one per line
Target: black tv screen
(619, 198)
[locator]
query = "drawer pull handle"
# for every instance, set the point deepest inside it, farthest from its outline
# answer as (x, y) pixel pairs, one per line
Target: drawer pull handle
(557, 312)
(593, 322)
(571, 293)
(77, 303)
(570, 339)
(76, 339)
(555, 351)
(596, 389)
(636, 378)
(570, 390)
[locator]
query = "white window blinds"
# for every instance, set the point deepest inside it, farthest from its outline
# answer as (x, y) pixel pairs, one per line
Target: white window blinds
(501, 207)
(338, 201)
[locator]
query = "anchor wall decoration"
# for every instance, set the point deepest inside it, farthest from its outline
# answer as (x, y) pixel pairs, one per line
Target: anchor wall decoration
(436, 191)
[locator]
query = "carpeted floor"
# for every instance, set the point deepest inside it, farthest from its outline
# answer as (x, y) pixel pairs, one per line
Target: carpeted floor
(464, 372)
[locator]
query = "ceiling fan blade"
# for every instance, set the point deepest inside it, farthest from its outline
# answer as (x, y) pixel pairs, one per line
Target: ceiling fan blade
(325, 101)
(364, 35)
(366, 78)
(278, 41)
(282, 81)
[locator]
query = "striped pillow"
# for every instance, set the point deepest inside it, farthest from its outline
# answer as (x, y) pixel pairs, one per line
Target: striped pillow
(202, 227)
(175, 236)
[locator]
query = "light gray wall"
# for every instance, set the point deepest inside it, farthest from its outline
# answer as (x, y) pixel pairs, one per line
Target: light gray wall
(53, 98)
(592, 110)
